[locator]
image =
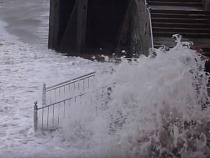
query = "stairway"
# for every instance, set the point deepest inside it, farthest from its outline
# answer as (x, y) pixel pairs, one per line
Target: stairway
(185, 17)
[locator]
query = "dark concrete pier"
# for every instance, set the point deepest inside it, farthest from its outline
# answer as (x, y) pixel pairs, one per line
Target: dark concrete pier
(86, 26)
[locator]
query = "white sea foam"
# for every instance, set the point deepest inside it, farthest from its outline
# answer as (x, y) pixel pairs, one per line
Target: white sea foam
(158, 108)
(2, 28)
(152, 100)
(155, 107)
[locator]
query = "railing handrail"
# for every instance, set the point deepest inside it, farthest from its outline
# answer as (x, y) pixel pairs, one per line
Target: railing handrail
(81, 94)
(150, 21)
(70, 81)
(85, 79)
(77, 95)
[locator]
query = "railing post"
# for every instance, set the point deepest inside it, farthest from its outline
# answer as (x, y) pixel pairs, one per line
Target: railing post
(151, 31)
(49, 108)
(35, 116)
(44, 95)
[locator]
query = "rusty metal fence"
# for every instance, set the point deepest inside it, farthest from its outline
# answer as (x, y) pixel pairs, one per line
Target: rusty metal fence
(64, 99)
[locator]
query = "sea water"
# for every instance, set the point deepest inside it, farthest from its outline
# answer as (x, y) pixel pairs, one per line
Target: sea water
(27, 19)
(158, 108)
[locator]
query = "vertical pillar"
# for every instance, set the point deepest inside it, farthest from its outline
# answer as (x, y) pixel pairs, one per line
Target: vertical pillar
(54, 24)
(81, 25)
(35, 116)
(44, 95)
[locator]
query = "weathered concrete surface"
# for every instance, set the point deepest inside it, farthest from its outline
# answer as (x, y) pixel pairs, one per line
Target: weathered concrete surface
(60, 12)
(77, 28)
(206, 4)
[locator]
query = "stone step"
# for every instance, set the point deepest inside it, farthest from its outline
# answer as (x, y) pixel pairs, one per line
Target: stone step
(185, 17)
(204, 42)
(206, 51)
(174, 8)
(191, 35)
(180, 11)
(175, 15)
(175, 3)
(170, 42)
(181, 30)
(181, 20)
(180, 25)
(175, 0)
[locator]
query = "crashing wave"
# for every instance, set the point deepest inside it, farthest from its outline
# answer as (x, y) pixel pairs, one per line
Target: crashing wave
(158, 108)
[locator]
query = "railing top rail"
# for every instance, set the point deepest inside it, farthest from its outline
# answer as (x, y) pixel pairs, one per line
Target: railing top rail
(72, 97)
(70, 81)
(60, 101)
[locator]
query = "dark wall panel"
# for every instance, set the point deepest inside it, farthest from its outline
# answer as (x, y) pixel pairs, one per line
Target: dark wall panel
(66, 7)
(105, 18)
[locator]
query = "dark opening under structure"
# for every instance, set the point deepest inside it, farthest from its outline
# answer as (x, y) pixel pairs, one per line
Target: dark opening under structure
(80, 27)
(104, 24)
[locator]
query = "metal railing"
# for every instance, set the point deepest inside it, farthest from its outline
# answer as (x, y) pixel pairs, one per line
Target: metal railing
(59, 100)
(145, 23)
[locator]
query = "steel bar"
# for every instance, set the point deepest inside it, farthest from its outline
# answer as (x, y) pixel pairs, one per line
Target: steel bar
(70, 81)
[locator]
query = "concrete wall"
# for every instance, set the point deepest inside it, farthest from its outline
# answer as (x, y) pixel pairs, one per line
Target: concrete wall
(60, 11)
(206, 4)
(83, 26)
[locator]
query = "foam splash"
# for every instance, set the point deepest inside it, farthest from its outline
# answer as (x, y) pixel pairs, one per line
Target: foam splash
(2, 28)
(158, 109)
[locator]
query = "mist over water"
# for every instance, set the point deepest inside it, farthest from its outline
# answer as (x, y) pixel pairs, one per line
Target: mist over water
(27, 19)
